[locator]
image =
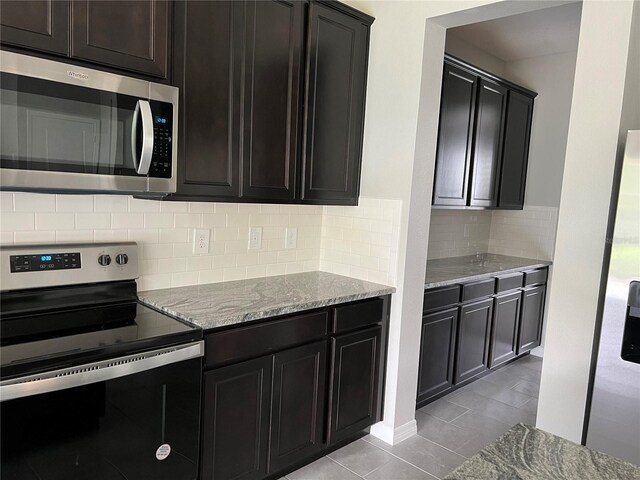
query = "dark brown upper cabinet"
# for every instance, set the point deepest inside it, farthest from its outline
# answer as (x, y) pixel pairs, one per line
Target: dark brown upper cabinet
(39, 25)
(483, 139)
(487, 156)
(515, 152)
(457, 113)
(336, 73)
(272, 80)
(122, 35)
(207, 55)
(131, 35)
(272, 100)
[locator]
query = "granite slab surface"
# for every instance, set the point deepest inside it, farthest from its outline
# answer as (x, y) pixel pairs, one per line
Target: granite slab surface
(223, 304)
(527, 453)
(448, 271)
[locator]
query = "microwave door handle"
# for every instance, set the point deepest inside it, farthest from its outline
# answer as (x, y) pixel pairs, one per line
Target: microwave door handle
(143, 110)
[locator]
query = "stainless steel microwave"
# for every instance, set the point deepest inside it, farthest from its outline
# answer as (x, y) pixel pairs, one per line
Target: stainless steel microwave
(65, 128)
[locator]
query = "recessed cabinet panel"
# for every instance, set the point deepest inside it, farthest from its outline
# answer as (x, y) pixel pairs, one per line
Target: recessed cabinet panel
(129, 35)
(472, 346)
(273, 58)
(437, 348)
(516, 150)
(39, 25)
(297, 411)
(236, 410)
(207, 34)
(504, 329)
(457, 111)
(354, 383)
(487, 152)
(531, 319)
(336, 76)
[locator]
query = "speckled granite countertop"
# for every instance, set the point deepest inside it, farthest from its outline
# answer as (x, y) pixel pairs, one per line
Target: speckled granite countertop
(526, 453)
(447, 271)
(217, 305)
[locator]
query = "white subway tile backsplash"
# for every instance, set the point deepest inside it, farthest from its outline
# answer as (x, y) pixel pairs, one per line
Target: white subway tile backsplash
(14, 222)
(93, 221)
(110, 203)
(55, 221)
(25, 202)
(74, 203)
(34, 237)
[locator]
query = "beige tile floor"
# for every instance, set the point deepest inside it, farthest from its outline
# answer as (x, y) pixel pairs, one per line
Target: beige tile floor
(450, 430)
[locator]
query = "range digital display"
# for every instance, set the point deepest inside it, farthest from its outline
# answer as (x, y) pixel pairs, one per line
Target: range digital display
(43, 263)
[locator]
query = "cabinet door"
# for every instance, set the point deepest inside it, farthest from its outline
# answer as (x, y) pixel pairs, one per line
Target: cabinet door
(354, 383)
(207, 64)
(455, 135)
(516, 150)
(297, 410)
(129, 35)
(38, 25)
(504, 328)
(437, 348)
(531, 318)
(472, 346)
(336, 71)
(235, 427)
(487, 152)
(274, 38)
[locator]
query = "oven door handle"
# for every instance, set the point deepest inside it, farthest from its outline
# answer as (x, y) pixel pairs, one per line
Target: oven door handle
(143, 110)
(98, 371)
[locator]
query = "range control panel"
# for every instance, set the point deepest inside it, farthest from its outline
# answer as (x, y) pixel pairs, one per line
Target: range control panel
(35, 266)
(44, 262)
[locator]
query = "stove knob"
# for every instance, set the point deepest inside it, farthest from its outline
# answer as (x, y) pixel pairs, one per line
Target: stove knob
(122, 259)
(104, 260)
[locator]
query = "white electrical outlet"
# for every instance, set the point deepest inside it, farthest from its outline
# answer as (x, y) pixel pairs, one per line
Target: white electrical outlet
(255, 238)
(291, 237)
(201, 237)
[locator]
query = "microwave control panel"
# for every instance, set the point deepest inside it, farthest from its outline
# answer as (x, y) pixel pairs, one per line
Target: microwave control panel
(161, 160)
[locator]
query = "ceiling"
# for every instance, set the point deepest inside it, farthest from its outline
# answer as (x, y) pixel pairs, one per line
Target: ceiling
(533, 34)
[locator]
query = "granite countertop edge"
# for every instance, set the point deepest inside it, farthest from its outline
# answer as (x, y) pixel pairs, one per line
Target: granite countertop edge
(534, 263)
(174, 305)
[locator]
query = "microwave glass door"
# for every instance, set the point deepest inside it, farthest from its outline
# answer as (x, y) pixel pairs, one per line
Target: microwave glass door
(56, 127)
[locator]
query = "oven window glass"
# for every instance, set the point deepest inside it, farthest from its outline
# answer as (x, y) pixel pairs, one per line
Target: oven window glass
(52, 126)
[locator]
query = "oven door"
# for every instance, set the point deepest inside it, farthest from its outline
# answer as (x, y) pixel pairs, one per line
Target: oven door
(131, 418)
(67, 128)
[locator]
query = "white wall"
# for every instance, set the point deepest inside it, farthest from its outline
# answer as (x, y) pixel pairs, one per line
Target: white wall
(586, 188)
(464, 50)
(551, 76)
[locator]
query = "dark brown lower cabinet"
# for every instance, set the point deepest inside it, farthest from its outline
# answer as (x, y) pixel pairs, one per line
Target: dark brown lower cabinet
(297, 409)
(437, 347)
(504, 329)
(354, 383)
(472, 346)
(531, 318)
(235, 422)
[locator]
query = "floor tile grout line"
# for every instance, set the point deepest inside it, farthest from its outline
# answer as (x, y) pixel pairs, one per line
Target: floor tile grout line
(490, 398)
(402, 459)
(345, 467)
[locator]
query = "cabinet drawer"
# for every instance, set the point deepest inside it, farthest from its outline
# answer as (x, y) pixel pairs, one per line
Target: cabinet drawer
(509, 282)
(534, 277)
(480, 289)
(256, 340)
(441, 297)
(357, 315)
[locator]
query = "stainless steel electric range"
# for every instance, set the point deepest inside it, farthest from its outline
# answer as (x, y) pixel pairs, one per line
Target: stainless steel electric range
(93, 385)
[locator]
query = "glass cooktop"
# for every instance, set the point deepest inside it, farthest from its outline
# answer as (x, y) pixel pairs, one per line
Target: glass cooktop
(30, 345)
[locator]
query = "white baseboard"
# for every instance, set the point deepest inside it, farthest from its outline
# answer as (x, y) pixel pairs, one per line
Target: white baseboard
(393, 436)
(538, 352)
